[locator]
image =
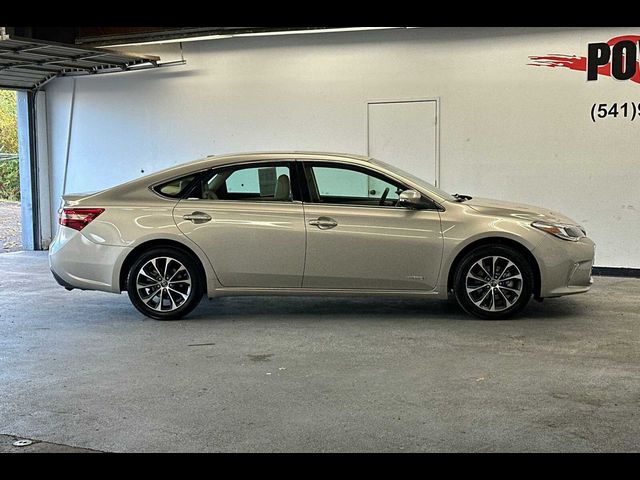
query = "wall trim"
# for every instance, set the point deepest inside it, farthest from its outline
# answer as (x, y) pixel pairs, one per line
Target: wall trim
(616, 272)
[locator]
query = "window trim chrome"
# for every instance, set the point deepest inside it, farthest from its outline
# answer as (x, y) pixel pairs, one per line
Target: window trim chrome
(302, 159)
(241, 202)
(387, 207)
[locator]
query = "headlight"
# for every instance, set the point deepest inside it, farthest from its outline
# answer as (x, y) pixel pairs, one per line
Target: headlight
(572, 233)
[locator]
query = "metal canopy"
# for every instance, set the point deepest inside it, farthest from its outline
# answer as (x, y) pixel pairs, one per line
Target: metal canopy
(27, 64)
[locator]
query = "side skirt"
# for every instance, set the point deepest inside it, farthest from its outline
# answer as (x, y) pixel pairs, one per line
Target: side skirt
(312, 292)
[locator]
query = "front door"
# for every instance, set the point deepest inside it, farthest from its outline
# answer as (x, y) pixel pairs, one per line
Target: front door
(360, 240)
(247, 222)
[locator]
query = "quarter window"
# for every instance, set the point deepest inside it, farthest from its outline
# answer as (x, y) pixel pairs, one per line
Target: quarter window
(174, 188)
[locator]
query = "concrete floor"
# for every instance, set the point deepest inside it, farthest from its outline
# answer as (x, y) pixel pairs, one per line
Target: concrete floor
(272, 374)
(11, 444)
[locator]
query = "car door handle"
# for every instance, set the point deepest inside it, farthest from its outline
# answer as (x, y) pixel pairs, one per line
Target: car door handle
(324, 223)
(197, 217)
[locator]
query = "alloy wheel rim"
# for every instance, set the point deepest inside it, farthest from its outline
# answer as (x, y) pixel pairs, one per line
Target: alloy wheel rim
(163, 284)
(494, 284)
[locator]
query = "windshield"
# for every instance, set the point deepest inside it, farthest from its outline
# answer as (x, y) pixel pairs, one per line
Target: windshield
(418, 181)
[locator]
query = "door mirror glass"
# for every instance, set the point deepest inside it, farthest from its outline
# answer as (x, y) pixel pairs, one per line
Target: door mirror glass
(410, 199)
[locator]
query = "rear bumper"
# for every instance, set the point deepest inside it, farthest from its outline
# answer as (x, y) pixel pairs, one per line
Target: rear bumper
(565, 267)
(61, 281)
(77, 262)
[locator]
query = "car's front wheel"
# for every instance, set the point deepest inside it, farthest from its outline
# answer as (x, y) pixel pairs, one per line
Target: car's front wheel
(164, 284)
(493, 282)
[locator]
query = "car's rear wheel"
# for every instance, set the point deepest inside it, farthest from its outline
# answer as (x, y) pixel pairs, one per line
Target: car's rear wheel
(493, 282)
(165, 284)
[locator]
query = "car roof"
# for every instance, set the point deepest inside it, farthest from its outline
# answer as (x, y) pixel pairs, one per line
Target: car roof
(231, 159)
(176, 171)
(293, 153)
(213, 161)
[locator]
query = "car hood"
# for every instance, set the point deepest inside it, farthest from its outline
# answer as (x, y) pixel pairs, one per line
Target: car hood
(489, 206)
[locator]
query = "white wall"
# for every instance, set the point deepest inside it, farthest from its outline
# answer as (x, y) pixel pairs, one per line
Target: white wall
(508, 130)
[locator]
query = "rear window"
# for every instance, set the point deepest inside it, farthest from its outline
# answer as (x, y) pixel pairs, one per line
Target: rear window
(174, 188)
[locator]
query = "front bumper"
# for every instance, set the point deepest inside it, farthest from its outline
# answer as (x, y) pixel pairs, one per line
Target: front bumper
(77, 262)
(565, 267)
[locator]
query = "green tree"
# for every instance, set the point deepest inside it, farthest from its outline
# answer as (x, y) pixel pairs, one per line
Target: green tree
(9, 170)
(8, 122)
(9, 180)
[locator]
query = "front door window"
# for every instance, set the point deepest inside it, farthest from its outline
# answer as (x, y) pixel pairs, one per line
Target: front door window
(352, 186)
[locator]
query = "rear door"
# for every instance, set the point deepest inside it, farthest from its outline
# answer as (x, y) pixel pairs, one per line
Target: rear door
(249, 221)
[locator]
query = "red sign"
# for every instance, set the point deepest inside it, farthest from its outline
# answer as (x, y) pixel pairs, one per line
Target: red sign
(617, 58)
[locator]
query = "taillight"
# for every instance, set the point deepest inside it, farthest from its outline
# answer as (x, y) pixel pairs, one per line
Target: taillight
(78, 218)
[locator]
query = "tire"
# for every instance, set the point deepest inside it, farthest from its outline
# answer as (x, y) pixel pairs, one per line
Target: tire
(172, 299)
(493, 299)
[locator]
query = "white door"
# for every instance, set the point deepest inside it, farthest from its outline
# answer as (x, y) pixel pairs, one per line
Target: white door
(405, 134)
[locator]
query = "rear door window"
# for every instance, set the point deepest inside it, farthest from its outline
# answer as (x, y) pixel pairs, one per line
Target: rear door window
(255, 183)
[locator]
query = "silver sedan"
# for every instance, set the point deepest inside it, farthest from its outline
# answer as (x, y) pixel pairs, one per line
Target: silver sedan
(298, 223)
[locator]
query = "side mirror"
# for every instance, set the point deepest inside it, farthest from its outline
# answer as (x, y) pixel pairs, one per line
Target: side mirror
(410, 199)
